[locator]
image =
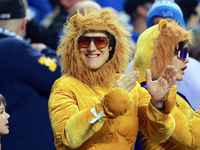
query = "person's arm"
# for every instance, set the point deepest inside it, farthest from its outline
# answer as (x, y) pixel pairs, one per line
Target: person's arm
(186, 133)
(42, 48)
(155, 120)
(73, 126)
(39, 34)
(156, 125)
(37, 69)
(50, 53)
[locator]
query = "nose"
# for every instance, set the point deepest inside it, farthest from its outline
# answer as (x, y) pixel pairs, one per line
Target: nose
(7, 115)
(92, 46)
(186, 60)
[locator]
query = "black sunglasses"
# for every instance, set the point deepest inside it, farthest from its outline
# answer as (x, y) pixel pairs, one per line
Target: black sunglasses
(182, 52)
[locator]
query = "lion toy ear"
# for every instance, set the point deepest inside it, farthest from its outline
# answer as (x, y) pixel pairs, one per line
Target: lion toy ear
(162, 25)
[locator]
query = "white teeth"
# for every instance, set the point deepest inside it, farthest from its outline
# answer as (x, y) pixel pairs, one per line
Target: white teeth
(92, 56)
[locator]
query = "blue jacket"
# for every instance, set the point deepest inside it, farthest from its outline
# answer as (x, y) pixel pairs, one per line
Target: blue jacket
(26, 77)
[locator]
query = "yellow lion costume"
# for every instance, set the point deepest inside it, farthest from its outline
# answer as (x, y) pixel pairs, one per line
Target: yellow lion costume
(155, 50)
(80, 92)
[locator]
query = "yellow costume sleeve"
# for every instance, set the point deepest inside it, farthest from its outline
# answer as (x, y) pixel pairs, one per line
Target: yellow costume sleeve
(116, 104)
(68, 123)
(72, 126)
(155, 125)
(187, 132)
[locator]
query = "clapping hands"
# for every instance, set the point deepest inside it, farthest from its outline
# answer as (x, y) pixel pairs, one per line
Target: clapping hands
(159, 88)
(127, 82)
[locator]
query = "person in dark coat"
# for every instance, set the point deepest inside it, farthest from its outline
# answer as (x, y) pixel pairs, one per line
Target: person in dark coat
(27, 74)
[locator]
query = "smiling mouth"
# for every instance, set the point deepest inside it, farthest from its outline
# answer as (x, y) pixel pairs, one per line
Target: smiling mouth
(92, 56)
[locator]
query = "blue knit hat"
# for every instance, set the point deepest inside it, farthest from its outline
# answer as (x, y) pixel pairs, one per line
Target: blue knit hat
(165, 9)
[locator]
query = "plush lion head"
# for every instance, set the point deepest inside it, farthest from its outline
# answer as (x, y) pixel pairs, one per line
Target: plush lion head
(155, 48)
(71, 59)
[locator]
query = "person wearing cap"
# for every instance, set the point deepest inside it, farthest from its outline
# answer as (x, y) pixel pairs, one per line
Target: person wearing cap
(158, 46)
(27, 74)
(182, 11)
(154, 50)
(164, 9)
(95, 106)
(169, 10)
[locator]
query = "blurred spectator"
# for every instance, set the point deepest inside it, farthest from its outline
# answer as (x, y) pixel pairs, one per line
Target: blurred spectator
(115, 4)
(4, 128)
(41, 8)
(90, 5)
(164, 9)
(48, 34)
(27, 74)
(116, 7)
(79, 6)
(54, 3)
(191, 78)
(137, 10)
(187, 7)
(190, 12)
(194, 48)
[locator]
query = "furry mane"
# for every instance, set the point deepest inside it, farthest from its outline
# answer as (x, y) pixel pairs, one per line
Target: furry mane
(71, 59)
(155, 48)
(164, 47)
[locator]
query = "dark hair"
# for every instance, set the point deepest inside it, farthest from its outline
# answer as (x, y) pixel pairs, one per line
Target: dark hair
(131, 5)
(2, 100)
(112, 43)
(194, 46)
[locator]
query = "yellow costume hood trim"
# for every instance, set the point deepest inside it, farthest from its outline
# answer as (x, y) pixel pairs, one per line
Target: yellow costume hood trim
(71, 59)
(155, 48)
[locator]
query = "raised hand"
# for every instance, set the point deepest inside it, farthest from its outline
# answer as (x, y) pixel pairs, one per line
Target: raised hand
(127, 82)
(159, 88)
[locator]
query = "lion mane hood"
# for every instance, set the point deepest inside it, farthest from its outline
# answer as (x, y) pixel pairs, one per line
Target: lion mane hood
(71, 58)
(155, 48)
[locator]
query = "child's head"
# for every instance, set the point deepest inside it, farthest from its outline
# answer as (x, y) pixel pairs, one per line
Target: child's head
(3, 117)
